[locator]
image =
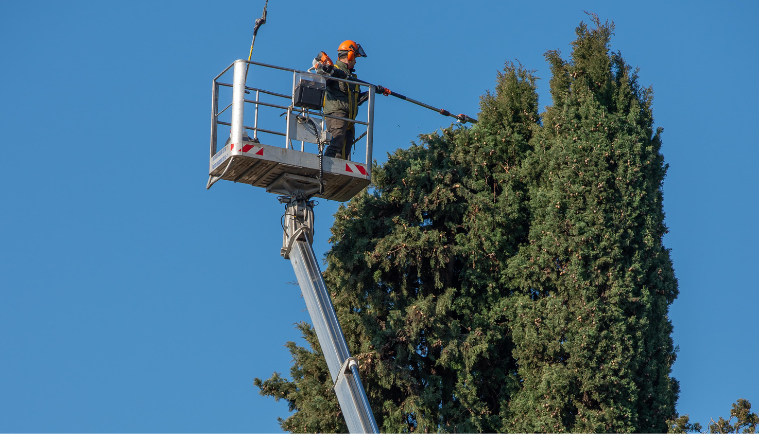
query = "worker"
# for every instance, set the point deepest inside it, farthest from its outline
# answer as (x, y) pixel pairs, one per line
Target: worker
(342, 99)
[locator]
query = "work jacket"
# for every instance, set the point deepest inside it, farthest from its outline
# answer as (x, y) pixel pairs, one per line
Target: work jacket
(342, 97)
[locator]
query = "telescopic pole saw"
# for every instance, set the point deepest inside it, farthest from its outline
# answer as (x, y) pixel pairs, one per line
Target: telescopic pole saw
(461, 117)
(323, 58)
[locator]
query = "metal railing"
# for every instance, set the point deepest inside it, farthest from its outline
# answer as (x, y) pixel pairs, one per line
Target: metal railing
(237, 106)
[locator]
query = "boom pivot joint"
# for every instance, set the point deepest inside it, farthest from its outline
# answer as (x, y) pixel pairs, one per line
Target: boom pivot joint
(297, 221)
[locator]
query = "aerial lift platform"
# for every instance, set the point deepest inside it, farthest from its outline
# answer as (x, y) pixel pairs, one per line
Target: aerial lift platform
(278, 162)
(276, 165)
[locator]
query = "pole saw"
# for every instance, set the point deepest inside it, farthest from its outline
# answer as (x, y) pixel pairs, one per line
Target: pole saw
(324, 59)
(460, 117)
(258, 22)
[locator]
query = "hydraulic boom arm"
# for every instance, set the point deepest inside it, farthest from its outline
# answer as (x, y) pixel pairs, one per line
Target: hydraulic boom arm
(344, 370)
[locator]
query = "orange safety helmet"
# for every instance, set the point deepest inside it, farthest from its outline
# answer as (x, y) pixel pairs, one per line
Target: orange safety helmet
(352, 49)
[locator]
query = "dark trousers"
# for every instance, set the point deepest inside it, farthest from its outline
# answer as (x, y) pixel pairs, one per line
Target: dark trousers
(342, 137)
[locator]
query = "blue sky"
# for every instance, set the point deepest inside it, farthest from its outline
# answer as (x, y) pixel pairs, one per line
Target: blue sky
(132, 299)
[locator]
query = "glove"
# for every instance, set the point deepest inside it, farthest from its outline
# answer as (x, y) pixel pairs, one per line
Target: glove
(378, 89)
(335, 72)
(327, 68)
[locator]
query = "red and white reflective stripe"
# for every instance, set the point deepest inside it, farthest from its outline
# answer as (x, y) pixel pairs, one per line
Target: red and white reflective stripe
(359, 167)
(250, 149)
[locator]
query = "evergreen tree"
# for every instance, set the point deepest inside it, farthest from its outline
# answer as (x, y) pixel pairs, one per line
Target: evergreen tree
(591, 328)
(310, 392)
(511, 276)
(415, 268)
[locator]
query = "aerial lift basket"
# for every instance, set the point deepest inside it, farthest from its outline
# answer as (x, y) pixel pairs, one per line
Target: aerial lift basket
(278, 160)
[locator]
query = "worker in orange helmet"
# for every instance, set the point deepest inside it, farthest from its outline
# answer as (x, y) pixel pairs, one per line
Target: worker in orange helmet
(342, 99)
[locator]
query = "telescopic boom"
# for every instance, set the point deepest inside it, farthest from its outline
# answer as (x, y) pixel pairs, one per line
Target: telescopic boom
(344, 369)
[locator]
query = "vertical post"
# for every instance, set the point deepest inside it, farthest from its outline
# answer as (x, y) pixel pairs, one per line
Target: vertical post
(302, 113)
(370, 117)
(213, 134)
(237, 109)
(257, 100)
(289, 111)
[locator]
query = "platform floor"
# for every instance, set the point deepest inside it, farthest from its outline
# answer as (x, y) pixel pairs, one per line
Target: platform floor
(264, 166)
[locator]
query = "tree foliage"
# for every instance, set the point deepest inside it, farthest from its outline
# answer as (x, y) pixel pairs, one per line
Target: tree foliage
(746, 421)
(510, 276)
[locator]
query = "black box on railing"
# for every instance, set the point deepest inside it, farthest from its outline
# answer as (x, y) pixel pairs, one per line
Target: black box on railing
(309, 91)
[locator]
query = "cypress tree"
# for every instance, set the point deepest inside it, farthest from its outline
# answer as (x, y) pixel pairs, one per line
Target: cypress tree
(591, 329)
(309, 395)
(511, 276)
(415, 269)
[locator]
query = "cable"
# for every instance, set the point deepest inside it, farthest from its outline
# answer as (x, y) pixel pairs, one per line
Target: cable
(281, 221)
(212, 179)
